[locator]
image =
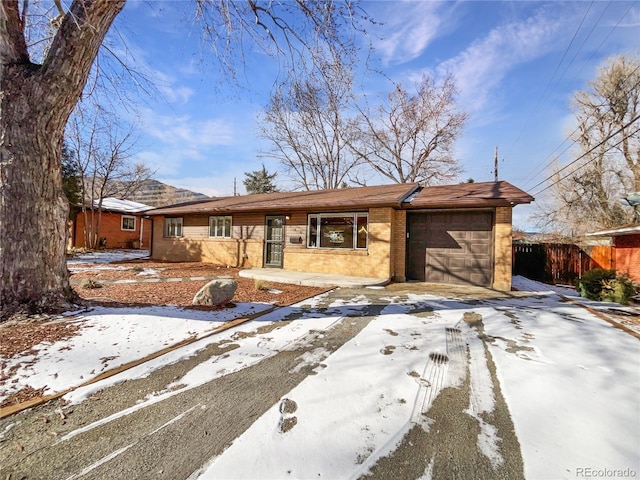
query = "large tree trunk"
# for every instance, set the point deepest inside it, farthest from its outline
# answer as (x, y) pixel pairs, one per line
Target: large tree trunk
(33, 212)
(35, 104)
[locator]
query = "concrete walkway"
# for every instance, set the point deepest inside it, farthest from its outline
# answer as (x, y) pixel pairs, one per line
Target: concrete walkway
(311, 279)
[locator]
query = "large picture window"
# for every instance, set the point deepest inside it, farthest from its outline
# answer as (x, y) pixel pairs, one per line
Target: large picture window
(220, 227)
(338, 230)
(173, 227)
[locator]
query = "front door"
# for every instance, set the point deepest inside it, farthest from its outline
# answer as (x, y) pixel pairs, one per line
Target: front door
(274, 241)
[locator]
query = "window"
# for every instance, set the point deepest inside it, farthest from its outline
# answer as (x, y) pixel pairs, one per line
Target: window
(220, 227)
(128, 222)
(173, 227)
(338, 230)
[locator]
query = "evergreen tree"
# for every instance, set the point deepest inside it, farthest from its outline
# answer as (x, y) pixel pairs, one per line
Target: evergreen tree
(71, 177)
(260, 181)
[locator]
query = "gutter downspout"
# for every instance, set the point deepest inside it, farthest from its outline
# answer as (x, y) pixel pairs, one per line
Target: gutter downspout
(141, 230)
(151, 240)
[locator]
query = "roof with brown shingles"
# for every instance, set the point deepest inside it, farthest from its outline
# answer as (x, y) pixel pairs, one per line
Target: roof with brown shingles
(482, 194)
(340, 198)
(399, 195)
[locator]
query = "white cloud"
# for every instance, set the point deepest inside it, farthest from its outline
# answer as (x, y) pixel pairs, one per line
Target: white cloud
(631, 20)
(140, 61)
(480, 68)
(409, 31)
(187, 132)
(175, 94)
(214, 132)
(167, 161)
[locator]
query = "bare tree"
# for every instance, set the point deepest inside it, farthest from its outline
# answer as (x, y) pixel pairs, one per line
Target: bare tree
(102, 152)
(307, 124)
(41, 84)
(588, 194)
(411, 138)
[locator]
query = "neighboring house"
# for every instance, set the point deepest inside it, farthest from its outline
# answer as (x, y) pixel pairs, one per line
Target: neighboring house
(626, 245)
(122, 225)
(452, 234)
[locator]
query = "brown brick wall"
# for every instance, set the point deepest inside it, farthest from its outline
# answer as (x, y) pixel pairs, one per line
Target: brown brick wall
(502, 249)
(373, 262)
(243, 252)
(245, 249)
(110, 228)
(627, 249)
(399, 246)
(385, 257)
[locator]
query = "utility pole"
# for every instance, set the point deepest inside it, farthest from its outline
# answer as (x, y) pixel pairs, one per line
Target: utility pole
(495, 165)
(235, 190)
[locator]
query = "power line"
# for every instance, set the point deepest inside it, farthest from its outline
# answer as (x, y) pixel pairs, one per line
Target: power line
(550, 157)
(589, 35)
(609, 137)
(613, 28)
(542, 97)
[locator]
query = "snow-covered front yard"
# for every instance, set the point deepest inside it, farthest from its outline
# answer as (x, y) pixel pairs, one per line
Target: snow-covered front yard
(571, 381)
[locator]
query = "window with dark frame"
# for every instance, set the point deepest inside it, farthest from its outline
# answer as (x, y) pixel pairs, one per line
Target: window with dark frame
(338, 230)
(128, 223)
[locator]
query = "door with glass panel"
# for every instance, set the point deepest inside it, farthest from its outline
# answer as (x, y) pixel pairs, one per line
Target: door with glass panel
(274, 241)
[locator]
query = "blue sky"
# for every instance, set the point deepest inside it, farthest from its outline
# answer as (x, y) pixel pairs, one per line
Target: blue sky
(516, 65)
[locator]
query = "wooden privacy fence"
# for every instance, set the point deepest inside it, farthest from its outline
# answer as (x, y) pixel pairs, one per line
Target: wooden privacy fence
(559, 262)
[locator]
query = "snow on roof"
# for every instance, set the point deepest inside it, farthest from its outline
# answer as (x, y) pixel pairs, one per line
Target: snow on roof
(125, 206)
(634, 228)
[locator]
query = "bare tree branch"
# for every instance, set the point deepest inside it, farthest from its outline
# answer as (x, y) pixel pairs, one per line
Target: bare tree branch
(607, 167)
(13, 47)
(412, 138)
(309, 130)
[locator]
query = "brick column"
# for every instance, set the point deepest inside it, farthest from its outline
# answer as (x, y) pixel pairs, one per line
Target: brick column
(502, 253)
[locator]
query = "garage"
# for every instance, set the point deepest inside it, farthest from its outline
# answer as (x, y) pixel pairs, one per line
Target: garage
(450, 247)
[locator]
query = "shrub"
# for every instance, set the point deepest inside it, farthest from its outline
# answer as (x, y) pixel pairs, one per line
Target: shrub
(618, 290)
(604, 285)
(590, 285)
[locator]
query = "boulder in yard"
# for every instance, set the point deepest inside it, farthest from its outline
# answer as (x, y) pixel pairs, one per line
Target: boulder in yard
(217, 292)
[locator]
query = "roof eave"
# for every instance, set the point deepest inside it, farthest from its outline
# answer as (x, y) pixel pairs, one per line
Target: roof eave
(475, 203)
(615, 231)
(276, 208)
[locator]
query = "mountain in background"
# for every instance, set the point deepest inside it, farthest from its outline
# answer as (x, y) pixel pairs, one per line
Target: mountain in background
(158, 194)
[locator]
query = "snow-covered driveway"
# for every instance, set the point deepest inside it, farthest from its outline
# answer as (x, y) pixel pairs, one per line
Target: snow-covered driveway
(572, 384)
(569, 380)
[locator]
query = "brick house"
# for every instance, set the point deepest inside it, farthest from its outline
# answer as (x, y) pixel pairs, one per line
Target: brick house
(122, 225)
(450, 234)
(625, 241)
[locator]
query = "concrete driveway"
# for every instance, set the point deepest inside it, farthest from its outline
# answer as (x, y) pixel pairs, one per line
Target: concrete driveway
(402, 381)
